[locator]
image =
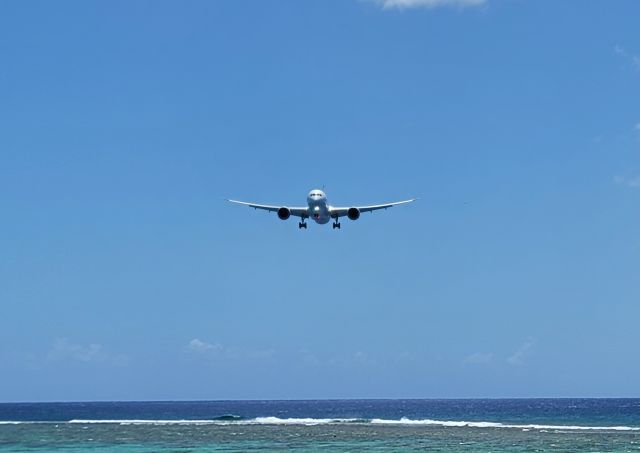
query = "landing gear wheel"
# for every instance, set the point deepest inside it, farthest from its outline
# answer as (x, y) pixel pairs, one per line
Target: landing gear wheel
(336, 225)
(302, 225)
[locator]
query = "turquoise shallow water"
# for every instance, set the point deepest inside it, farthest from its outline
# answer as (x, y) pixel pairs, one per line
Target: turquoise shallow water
(116, 438)
(335, 426)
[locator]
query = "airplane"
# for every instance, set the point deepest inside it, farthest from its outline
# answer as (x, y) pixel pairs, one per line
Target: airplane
(318, 209)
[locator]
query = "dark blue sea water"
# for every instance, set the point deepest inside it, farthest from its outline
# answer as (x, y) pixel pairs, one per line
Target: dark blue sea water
(327, 425)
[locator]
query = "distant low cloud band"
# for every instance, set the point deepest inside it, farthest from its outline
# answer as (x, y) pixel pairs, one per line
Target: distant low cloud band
(405, 4)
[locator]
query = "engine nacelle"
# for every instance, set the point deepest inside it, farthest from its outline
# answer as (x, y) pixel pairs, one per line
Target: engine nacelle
(353, 213)
(284, 213)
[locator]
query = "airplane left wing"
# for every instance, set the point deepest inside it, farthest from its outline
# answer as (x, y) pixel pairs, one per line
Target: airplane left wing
(341, 212)
(298, 212)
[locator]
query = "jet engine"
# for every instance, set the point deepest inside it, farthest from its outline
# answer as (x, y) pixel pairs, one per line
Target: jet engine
(284, 213)
(353, 213)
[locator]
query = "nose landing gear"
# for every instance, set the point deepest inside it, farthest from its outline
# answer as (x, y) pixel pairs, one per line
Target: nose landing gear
(336, 224)
(302, 224)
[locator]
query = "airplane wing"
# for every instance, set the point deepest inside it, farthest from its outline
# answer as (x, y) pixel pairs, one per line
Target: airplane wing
(299, 212)
(341, 212)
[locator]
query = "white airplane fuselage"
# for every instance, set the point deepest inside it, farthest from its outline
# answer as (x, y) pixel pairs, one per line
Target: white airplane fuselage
(319, 210)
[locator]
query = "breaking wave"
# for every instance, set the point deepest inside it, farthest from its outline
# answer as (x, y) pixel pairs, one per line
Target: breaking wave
(462, 424)
(227, 420)
(237, 420)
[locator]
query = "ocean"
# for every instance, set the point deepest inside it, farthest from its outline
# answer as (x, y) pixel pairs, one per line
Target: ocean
(468, 425)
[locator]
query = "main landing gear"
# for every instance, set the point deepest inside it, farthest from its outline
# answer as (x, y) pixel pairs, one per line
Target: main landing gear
(336, 224)
(302, 224)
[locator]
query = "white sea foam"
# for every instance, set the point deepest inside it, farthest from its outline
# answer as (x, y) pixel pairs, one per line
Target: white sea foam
(253, 421)
(298, 421)
(428, 422)
(329, 421)
(25, 422)
(149, 422)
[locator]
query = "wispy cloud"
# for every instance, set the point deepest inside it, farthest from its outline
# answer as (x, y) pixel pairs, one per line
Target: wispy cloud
(351, 359)
(629, 181)
(345, 359)
(406, 4)
(517, 358)
(362, 358)
(65, 350)
(632, 58)
(202, 347)
(309, 358)
(479, 358)
(217, 350)
(404, 356)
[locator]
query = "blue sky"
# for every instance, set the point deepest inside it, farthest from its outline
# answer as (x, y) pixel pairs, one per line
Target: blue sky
(125, 275)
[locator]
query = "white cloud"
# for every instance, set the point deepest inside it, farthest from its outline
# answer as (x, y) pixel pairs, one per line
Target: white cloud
(255, 354)
(479, 358)
(517, 358)
(633, 181)
(309, 358)
(202, 347)
(405, 4)
(632, 58)
(362, 358)
(65, 350)
(352, 359)
(211, 350)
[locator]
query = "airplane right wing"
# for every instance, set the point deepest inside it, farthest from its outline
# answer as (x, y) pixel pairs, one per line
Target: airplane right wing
(340, 212)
